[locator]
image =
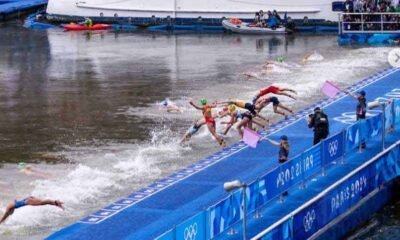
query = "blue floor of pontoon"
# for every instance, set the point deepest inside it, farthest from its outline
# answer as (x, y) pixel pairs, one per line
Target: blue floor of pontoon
(189, 193)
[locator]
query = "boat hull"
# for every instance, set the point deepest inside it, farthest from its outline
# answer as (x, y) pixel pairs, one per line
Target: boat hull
(245, 29)
(73, 27)
(185, 11)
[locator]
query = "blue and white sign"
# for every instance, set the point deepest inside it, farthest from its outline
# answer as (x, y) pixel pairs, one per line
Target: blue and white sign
(192, 229)
(333, 148)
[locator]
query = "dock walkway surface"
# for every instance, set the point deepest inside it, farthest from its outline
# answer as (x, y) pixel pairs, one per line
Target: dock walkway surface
(153, 210)
(12, 6)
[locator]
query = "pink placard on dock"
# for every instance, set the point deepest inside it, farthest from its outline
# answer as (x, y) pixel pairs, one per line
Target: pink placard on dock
(329, 89)
(250, 137)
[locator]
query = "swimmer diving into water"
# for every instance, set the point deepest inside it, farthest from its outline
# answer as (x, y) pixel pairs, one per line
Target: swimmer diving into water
(209, 119)
(245, 105)
(31, 201)
(275, 90)
(236, 115)
(170, 106)
(263, 102)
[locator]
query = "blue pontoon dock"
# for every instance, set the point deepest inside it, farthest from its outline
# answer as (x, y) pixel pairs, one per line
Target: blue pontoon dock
(10, 9)
(192, 204)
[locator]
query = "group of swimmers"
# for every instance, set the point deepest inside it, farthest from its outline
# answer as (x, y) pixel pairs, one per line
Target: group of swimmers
(246, 112)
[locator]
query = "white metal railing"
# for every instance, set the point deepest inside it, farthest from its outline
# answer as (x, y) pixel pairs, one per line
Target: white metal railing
(385, 22)
(323, 193)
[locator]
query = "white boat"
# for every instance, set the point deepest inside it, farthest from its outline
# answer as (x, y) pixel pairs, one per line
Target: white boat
(186, 11)
(244, 27)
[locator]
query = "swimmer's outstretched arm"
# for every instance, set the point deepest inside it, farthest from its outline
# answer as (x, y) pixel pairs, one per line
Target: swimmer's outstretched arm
(353, 95)
(9, 210)
(273, 142)
(195, 106)
(214, 104)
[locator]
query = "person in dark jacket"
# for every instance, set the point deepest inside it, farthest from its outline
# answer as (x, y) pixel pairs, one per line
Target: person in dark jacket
(361, 108)
(319, 121)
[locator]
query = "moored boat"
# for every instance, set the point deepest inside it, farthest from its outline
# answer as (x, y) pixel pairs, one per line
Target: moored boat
(237, 26)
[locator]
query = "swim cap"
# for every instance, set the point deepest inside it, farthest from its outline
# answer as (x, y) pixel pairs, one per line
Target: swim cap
(21, 165)
(284, 138)
(317, 109)
(225, 108)
(232, 107)
(362, 92)
(203, 101)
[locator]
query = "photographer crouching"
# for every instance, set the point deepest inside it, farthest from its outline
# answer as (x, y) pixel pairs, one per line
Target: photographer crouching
(319, 121)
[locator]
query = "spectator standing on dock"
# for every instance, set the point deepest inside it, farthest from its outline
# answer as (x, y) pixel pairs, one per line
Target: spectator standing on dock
(284, 148)
(319, 121)
(283, 154)
(361, 108)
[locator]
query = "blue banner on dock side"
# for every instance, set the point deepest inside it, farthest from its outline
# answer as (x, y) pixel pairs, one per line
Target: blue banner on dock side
(396, 109)
(388, 167)
(225, 213)
(312, 161)
(336, 202)
(193, 228)
(373, 126)
(352, 137)
(333, 148)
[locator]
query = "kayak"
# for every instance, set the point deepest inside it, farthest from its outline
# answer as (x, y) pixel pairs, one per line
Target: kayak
(237, 26)
(77, 27)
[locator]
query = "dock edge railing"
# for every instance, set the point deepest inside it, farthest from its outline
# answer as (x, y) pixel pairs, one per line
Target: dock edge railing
(385, 22)
(309, 219)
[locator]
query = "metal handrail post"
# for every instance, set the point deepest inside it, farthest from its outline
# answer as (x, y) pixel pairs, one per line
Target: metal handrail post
(323, 158)
(383, 125)
(232, 231)
(280, 195)
(381, 23)
(257, 214)
(359, 138)
(244, 187)
(362, 22)
(303, 182)
(344, 147)
(393, 127)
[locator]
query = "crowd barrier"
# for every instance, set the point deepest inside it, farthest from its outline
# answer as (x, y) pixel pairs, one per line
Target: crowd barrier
(295, 172)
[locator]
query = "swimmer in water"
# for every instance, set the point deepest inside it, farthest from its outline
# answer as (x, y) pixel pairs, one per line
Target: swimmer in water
(170, 106)
(29, 170)
(192, 130)
(245, 105)
(275, 90)
(235, 116)
(263, 102)
(31, 201)
(209, 119)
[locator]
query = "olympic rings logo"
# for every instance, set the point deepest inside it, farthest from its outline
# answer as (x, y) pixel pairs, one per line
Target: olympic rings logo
(333, 148)
(190, 232)
(309, 220)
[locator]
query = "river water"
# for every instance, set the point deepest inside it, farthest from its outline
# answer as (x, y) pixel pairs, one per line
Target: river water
(83, 108)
